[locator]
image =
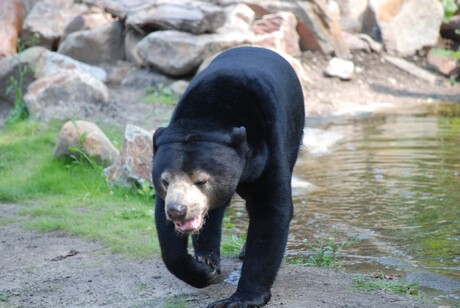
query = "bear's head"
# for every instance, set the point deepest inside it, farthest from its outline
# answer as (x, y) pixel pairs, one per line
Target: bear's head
(195, 172)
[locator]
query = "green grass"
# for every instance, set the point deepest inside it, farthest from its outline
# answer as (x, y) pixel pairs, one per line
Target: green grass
(71, 195)
(160, 94)
(398, 286)
(323, 254)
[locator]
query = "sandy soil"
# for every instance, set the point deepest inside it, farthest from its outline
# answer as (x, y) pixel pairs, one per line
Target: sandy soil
(58, 270)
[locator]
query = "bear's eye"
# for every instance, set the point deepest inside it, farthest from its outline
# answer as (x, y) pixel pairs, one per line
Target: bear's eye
(201, 182)
(165, 183)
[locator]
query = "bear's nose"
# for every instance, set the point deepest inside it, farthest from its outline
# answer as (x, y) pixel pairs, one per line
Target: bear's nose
(177, 212)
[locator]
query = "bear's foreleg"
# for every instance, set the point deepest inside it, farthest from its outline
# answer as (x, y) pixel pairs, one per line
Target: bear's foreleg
(175, 256)
(269, 215)
(207, 242)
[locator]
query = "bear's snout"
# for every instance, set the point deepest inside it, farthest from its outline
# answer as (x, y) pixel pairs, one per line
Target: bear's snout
(176, 212)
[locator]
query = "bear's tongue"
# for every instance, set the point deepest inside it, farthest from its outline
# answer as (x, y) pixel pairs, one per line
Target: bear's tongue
(189, 225)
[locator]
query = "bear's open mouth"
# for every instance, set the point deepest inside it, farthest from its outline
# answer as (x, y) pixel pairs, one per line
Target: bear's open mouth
(191, 225)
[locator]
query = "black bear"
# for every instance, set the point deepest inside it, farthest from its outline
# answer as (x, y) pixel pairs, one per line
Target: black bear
(237, 128)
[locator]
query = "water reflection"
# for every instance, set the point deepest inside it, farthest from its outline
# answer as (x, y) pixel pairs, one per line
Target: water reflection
(393, 182)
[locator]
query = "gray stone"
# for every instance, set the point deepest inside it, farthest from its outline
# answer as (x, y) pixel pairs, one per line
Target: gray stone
(91, 19)
(103, 44)
(65, 94)
(134, 164)
(179, 53)
(238, 18)
(87, 137)
(340, 68)
(405, 25)
(190, 16)
(132, 38)
(121, 8)
(352, 14)
(49, 20)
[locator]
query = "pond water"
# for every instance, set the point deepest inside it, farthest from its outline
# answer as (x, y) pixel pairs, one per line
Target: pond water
(390, 181)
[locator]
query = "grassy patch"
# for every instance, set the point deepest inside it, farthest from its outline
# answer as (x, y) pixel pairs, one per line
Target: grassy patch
(160, 94)
(398, 286)
(232, 245)
(323, 254)
(71, 195)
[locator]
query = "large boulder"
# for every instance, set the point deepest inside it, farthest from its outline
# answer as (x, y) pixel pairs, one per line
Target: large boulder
(405, 26)
(81, 137)
(238, 18)
(11, 15)
(37, 62)
(91, 19)
(121, 8)
(134, 164)
(278, 31)
(178, 53)
(103, 44)
(190, 16)
(49, 19)
(352, 14)
(65, 94)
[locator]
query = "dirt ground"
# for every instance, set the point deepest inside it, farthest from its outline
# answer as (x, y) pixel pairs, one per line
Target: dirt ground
(58, 270)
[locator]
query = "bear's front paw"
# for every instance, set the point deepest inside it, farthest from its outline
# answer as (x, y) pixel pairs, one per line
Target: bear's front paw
(208, 272)
(236, 302)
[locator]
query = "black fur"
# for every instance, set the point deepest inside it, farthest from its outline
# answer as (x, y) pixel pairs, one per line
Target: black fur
(240, 120)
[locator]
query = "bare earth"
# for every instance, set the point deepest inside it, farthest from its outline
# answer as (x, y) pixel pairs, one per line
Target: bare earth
(58, 270)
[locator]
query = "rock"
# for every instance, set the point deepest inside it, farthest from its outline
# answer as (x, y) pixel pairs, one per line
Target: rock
(354, 42)
(178, 87)
(278, 31)
(49, 19)
(352, 14)
(11, 15)
(121, 8)
(179, 53)
(319, 142)
(449, 28)
(443, 62)
(64, 94)
(53, 61)
(405, 25)
(340, 68)
(87, 137)
(412, 69)
(190, 16)
(375, 46)
(91, 19)
(134, 164)
(319, 27)
(238, 18)
(103, 44)
(132, 38)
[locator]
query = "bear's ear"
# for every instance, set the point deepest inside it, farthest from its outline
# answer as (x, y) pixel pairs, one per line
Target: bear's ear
(238, 139)
(155, 137)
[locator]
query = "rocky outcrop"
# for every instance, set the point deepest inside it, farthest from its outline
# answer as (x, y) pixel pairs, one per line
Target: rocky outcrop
(178, 53)
(49, 19)
(79, 138)
(134, 163)
(65, 94)
(102, 44)
(196, 17)
(38, 62)
(11, 16)
(405, 25)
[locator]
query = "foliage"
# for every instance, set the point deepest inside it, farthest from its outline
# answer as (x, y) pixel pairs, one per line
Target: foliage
(450, 7)
(16, 85)
(397, 286)
(146, 191)
(232, 245)
(72, 196)
(160, 94)
(324, 253)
